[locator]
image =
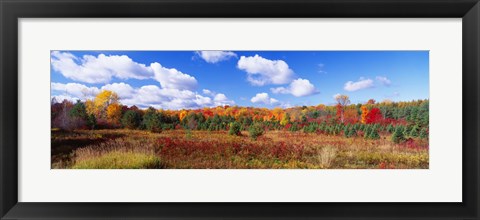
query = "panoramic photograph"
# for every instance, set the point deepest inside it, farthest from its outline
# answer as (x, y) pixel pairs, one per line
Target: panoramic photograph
(239, 109)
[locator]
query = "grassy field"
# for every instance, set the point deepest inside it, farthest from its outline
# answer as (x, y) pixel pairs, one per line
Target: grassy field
(183, 149)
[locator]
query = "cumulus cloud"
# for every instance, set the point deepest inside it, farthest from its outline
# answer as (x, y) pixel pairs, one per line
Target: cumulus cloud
(100, 69)
(208, 92)
(261, 71)
(60, 98)
(145, 96)
(165, 98)
(123, 90)
(215, 56)
(384, 80)
(299, 88)
(280, 90)
(103, 68)
(263, 98)
(221, 99)
(75, 90)
(172, 78)
(358, 85)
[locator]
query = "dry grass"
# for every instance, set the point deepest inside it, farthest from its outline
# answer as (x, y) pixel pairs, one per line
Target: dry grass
(204, 149)
(119, 160)
(327, 156)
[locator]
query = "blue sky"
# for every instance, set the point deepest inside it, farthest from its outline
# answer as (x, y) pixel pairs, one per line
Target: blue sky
(195, 79)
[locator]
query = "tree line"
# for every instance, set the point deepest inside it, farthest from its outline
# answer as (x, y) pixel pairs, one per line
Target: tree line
(400, 119)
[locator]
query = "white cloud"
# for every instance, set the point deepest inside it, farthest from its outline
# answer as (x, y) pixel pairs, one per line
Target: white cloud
(83, 92)
(222, 100)
(60, 98)
(100, 69)
(145, 96)
(299, 87)
(215, 56)
(208, 92)
(123, 90)
(280, 90)
(174, 99)
(172, 78)
(75, 90)
(261, 71)
(219, 99)
(336, 96)
(263, 98)
(103, 68)
(358, 85)
(384, 80)
(202, 100)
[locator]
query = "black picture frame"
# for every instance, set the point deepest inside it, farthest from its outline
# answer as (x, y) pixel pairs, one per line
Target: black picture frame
(12, 10)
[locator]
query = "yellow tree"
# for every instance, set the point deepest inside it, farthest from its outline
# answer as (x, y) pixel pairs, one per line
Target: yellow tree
(114, 113)
(229, 111)
(90, 107)
(277, 113)
(182, 114)
(101, 102)
(285, 120)
(242, 112)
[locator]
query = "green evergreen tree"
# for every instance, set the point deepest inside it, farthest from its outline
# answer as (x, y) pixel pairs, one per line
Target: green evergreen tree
(414, 131)
(367, 131)
(390, 128)
(346, 131)
(131, 119)
(353, 132)
(91, 121)
(255, 131)
(423, 133)
(152, 121)
(374, 134)
(235, 129)
(398, 135)
(78, 111)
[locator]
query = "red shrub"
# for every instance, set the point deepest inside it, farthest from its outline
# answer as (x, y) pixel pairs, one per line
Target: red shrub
(374, 116)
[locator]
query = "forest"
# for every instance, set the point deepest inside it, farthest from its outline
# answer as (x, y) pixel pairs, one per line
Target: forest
(101, 133)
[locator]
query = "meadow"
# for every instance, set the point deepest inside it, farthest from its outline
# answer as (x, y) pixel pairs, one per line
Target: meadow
(104, 134)
(239, 109)
(182, 149)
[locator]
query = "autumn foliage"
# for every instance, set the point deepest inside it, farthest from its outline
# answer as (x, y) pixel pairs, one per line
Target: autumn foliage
(399, 124)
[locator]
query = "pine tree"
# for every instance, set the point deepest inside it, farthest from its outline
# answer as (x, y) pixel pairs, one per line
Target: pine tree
(346, 131)
(131, 119)
(398, 136)
(423, 133)
(390, 128)
(235, 129)
(255, 131)
(352, 132)
(91, 121)
(414, 131)
(367, 131)
(374, 134)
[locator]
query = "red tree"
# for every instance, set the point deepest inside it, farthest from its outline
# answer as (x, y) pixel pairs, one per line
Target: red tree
(374, 116)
